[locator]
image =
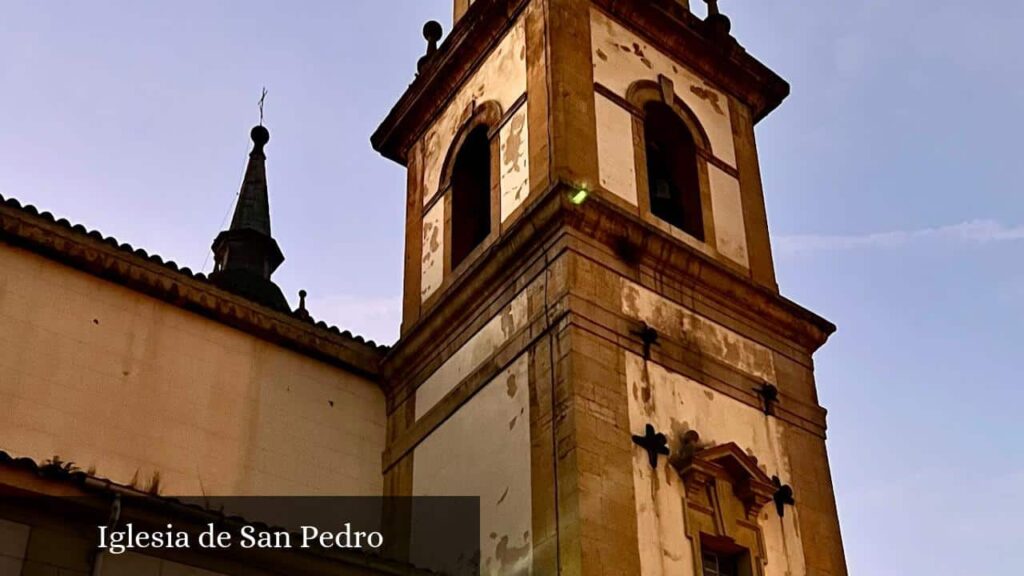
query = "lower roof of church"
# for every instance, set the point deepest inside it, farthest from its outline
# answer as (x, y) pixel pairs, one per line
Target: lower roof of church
(104, 256)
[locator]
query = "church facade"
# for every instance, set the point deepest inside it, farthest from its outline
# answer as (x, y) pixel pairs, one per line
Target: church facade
(593, 340)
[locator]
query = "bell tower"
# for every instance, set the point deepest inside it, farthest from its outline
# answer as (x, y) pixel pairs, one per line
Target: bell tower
(593, 340)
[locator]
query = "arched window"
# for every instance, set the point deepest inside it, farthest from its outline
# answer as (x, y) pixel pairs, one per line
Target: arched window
(673, 179)
(471, 194)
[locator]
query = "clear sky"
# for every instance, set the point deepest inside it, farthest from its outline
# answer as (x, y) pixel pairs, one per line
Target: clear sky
(892, 176)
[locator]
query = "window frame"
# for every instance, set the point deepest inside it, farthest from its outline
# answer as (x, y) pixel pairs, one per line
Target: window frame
(640, 94)
(489, 115)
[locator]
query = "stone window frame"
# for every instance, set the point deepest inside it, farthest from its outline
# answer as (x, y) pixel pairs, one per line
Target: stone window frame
(725, 491)
(490, 115)
(638, 95)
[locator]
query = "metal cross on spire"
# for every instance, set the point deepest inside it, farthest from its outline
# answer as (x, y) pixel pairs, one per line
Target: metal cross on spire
(712, 7)
(263, 99)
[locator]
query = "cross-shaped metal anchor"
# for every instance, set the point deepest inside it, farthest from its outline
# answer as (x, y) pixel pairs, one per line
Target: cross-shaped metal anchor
(649, 336)
(783, 496)
(770, 395)
(655, 443)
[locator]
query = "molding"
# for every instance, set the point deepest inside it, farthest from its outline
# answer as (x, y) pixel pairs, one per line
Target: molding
(474, 36)
(104, 258)
(694, 43)
(552, 216)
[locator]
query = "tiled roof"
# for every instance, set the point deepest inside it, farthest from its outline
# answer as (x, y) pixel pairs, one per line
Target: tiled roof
(132, 253)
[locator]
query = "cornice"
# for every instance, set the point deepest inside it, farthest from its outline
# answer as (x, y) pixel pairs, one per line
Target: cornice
(600, 220)
(696, 43)
(104, 257)
(465, 48)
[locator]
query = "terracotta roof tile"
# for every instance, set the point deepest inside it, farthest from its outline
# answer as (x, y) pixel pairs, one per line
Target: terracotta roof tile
(172, 266)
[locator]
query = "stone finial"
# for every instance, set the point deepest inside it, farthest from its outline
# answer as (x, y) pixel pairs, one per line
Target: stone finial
(432, 33)
(720, 24)
(301, 312)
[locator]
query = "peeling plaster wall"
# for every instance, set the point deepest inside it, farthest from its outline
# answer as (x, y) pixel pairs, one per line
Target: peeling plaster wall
(515, 162)
(475, 351)
(501, 78)
(709, 337)
(621, 58)
(616, 149)
(675, 404)
(432, 268)
(109, 378)
(727, 207)
(484, 450)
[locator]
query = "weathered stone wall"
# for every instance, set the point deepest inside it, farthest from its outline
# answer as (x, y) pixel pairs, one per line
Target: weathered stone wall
(701, 374)
(114, 380)
(675, 404)
(500, 79)
(483, 450)
(622, 58)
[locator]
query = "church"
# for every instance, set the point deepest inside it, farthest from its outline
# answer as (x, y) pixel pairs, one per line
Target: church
(593, 341)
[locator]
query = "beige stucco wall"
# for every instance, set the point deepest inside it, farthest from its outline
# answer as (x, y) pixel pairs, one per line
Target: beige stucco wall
(622, 58)
(515, 162)
(475, 351)
(501, 79)
(710, 337)
(727, 207)
(114, 380)
(484, 450)
(616, 150)
(432, 268)
(673, 404)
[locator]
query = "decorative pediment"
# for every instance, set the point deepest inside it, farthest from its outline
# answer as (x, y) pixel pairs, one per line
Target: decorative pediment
(728, 463)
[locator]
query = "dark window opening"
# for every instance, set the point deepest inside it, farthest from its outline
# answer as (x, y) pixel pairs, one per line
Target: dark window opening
(716, 564)
(672, 176)
(724, 559)
(471, 195)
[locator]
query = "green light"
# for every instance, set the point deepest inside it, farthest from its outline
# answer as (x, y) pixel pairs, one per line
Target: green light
(579, 196)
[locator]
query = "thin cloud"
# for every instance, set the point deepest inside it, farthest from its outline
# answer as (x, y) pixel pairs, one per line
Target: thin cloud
(972, 231)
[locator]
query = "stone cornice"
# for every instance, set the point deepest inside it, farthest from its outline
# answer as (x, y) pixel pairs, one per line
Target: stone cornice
(90, 252)
(482, 27)
(694, 42)
(604, 221)
(600, 220)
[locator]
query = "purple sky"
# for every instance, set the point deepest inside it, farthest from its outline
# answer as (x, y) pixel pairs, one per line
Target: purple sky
(892, 177)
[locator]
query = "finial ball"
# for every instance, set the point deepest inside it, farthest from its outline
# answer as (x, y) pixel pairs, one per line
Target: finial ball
(432, 31)
(260, 135)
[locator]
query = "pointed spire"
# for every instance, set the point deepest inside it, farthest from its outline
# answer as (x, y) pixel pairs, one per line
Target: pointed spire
(253, 208)
(246, 254)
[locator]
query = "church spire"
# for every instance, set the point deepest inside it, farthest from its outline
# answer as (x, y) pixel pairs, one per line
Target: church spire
(246, 254)
(253, 209)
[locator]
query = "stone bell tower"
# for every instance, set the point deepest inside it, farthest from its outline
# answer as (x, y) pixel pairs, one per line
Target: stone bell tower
(593, 340)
